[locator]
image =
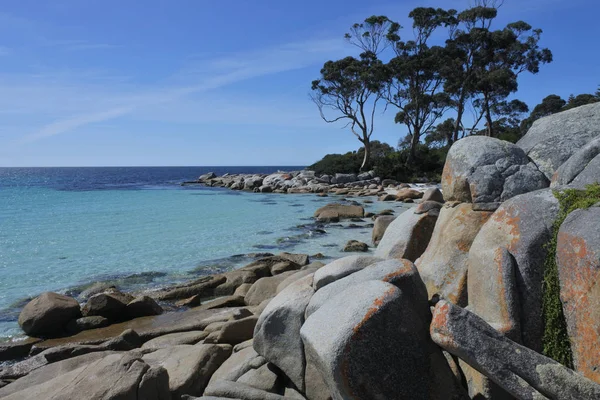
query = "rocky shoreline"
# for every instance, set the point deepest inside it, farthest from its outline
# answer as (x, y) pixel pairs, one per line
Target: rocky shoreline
(484, 290)
(298, 182)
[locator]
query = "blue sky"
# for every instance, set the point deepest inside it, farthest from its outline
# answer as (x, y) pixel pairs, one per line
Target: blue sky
(195, 82)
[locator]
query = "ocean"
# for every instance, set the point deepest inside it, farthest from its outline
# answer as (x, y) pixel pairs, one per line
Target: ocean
(62, 229)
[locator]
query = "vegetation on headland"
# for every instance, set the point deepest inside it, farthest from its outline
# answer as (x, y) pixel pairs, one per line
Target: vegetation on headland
(556, 343)
(441, 91)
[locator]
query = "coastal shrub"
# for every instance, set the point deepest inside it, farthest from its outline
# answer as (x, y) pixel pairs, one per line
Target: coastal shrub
(337, 163)
(555, 340)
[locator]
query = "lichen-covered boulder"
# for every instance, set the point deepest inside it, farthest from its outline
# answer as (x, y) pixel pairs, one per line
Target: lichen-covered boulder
(443, 265)
(400, 273)
(520, 371)
(407, 236)
(578, 261)
(48, 314)
(553, 139)
(277, 332)
(481, 169)
(506, 266)
(372, 342)
(581, 169)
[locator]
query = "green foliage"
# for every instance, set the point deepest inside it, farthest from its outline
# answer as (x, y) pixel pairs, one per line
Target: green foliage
(555, 340)
(350, 162)
(580, 100)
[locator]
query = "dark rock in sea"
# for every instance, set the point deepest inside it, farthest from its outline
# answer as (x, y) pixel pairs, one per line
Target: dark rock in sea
(355, 245)
(142, 307)
(353, 226)
(85, 323)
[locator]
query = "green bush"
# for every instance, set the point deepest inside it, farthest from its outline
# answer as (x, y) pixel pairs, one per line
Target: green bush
(555, 340)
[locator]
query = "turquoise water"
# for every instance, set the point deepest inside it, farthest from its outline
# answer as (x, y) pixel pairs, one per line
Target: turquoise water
(53, 239)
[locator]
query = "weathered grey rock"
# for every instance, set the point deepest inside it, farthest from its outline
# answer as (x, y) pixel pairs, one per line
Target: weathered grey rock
(356, 246)
(277, 333)
(340, 268)
(264, 378)
(174, 339)
(275, 180)
(207, 176)
(237, 365)
(236, 390)
(334, 211)
(443, 265)
(114, 376)
(481, 169)
(407, 236)
(294, 277)
(553, 139)
(381, 224)
(189, 367)
(265, 189)
(578, 261)
(433, 194)
(143, 306)
(581, 169)
(202, 287)
(517, 369)
(48, 314)
(252, 182)
(506, 266)
(400, 273)
(265, 288)
(85, 323)
(227, 301)
(349, 338)
(49, 371)
(233, 332)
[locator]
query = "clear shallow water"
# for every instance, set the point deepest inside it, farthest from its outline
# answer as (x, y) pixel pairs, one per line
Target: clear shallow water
(64, 228)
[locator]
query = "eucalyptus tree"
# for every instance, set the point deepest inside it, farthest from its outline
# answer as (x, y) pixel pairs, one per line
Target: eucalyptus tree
(350, 89)
(415, 80)
(486, 63)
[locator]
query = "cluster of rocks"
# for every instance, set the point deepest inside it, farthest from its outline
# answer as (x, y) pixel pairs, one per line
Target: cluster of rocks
(449, 306)
(364, 184)
(53, 314)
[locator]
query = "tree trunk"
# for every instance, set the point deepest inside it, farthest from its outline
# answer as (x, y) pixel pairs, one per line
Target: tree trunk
(488, 118)
(367, 159)
(459, 113)
(414, 143)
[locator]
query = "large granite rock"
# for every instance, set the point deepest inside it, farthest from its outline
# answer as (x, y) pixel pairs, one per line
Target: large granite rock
(233, 332)
(48, 314)
(553, 139)
(407, 236)
(506, 266)
(277, 333)
(238, 390)
(267, 378)
(481, 169)
(443, 265)
(372, 342)
(578, 261)
(237, 365)
(340, 268)
(401, 273)
(581, 169)
(115, 376)
(143, 306)
(189, 367)
(520, 371)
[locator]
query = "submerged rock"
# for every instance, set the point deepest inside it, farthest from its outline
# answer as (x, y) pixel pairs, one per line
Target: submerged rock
(356, 246)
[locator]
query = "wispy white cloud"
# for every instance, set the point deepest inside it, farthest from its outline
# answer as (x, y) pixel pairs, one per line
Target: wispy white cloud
(82, 103)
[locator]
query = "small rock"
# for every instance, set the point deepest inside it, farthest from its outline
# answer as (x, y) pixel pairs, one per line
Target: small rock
(356, 246)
